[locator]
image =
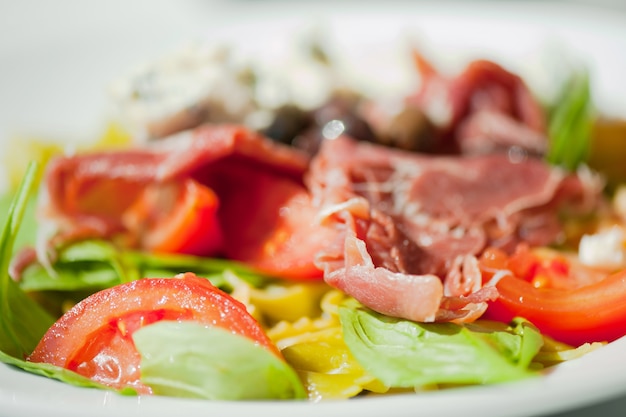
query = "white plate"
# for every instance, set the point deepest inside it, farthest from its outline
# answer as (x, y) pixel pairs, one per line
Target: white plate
(56, 61)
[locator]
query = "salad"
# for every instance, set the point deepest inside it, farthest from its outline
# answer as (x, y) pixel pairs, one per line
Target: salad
(238, 247)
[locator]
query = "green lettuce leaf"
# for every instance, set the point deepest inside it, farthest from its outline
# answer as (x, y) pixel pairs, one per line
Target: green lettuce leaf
(83, 265)
(97, 264)
(56, 372)
(22, 321)
(188, 359)
(407, 354)
(27, 232)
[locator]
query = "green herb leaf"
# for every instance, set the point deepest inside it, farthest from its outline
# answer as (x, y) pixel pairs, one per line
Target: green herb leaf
(176, 263)
(22, 321)
(98, 264)
(571, 124)
(27, 233)
(77, 276)
(188, 359)
(58, 373)
(403, 353)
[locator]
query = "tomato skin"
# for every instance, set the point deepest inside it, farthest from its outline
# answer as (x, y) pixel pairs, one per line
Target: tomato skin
(178, 217)
(257, 218)
(289, 250)
(591, 313)
(271, 224)
(94, 338)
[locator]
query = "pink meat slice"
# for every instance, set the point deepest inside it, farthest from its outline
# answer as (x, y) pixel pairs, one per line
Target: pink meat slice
(90, 191)
(398, 231)
(482, 109)
(411, 226)
(256, 181)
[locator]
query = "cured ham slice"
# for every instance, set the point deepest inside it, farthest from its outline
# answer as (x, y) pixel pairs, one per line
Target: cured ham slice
(405, 218)
(95, 188)
(398, 231)
(483, 109)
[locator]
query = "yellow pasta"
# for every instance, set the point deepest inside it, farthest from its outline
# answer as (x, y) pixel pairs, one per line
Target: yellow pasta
(315, 348)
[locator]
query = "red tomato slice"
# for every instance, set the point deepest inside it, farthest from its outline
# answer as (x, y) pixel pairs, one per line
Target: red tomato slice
(589, 313)
(177, 217)
(548, 268)
(593, 313)
(94, 338)
(287, 250)
(270, 223)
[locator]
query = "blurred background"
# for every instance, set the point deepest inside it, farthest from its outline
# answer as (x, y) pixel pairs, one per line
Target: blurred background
(84, 45)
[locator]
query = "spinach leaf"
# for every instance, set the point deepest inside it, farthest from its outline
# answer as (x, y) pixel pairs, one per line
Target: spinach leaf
(214, 268)
(188, 359)
(56, 372)
(84, 265)
(22, 321)
(403, 353)
(97, 264)
(27, 232)
(571, 123)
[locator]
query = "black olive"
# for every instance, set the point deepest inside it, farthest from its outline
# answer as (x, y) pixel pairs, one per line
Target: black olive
(343, 106)
(304, 129)
(411, 130)
(289, 120)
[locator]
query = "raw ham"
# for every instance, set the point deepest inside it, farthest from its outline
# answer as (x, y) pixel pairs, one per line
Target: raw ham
(405, 218)
(398, 231)
(257, 181)
(94, 189)
(483, 109)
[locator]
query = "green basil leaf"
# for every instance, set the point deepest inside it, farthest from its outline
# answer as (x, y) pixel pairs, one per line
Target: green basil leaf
(188, 359)
(187, 263)
(403, 353)
(76, 276)
(83, 265)
(27, 234)
(22, 321)
(58, 373)
(98, 264)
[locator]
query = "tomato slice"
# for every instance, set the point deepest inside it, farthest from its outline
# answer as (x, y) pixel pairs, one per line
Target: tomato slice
(288, 249)
(594, 312)
(94, 338)
(177, 217)
(271, 224)
(265, 220)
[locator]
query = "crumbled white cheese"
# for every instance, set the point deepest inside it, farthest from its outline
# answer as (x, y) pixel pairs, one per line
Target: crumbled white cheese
(179, 80)
(243, 88)
(603, 249)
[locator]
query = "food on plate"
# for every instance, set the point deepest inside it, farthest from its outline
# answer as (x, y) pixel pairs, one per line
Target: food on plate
(358, 247)
(97, 337)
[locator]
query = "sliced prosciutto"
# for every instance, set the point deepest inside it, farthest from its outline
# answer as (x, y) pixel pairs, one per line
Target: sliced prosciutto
(264, 212)
(483, 109)
(410, 226)
(398, 231)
